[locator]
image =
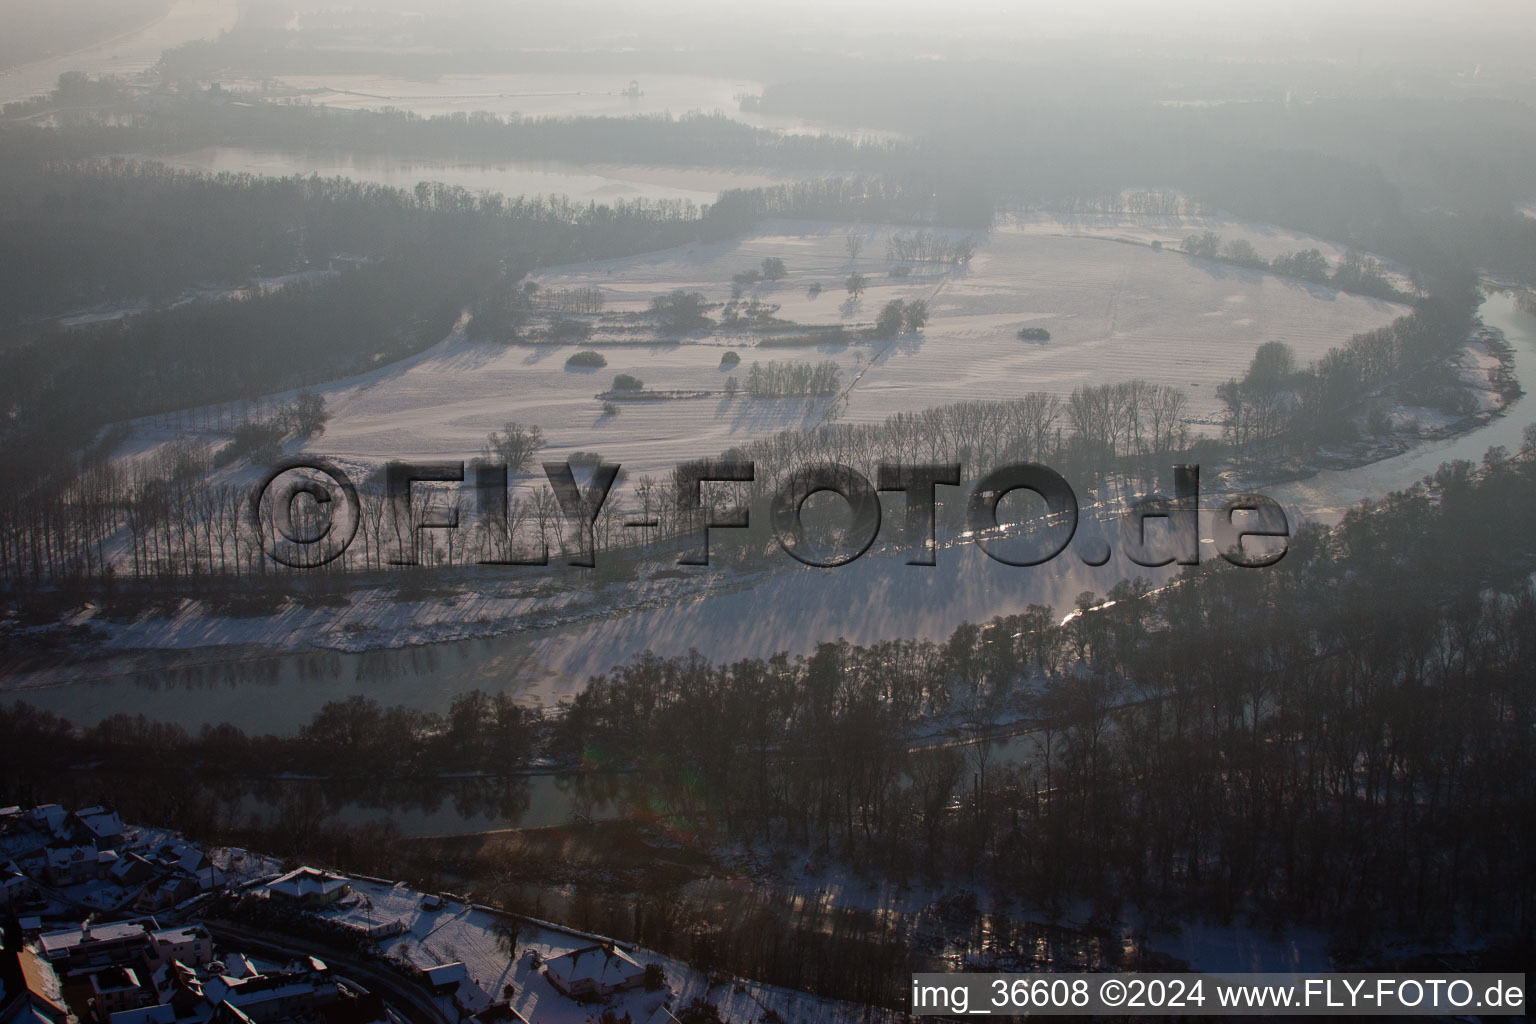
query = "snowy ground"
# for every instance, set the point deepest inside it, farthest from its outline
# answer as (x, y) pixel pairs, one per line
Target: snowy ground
(127, 54)
(1115, 311)
(459, 932)
(598, 182)
(540, 94)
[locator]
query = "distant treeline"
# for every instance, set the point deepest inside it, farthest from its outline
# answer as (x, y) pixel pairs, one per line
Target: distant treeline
(1431, 183)
(406, 264)
(1279, 408)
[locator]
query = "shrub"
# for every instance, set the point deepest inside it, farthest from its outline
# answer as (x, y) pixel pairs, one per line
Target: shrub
(814, 290)
(680, 311)
(610, 408)
(587, 357)
(1034, 334)
(624, 382)
(773, 268)
(569, 330)
(730, 359)
(914, 315)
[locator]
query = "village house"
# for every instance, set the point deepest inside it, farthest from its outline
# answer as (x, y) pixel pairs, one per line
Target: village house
(29, 989)
(298, 992)
(15, 886)
(309, 887)
(190, 945)
(594, 972)
(90, 947)
(116, 989)
(452, 984)
(99, 826)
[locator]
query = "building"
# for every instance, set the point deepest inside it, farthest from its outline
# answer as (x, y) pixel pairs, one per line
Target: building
(131, 870)
(594, 972)
(302, 991)
(309, 887)
(49, 819)
(15, 887)
(191, 945)
(30, 992)
(71, 865)
(99, 826)
(117, 989)
(455, 990)
(92, 947)
(165, 893)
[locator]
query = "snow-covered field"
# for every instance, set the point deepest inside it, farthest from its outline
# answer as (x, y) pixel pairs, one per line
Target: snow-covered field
(1115, 312)
(541, 94)
(597, 182)
(127, 54)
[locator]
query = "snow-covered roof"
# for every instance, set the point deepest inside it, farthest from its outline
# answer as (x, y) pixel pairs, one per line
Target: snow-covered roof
(604, 966)
(55, 942)
(446, 974)
(164, 1013)
(102, 823)
(308, 881)
(179, 936)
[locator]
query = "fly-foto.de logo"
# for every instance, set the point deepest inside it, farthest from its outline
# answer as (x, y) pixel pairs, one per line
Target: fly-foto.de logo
(307, 512)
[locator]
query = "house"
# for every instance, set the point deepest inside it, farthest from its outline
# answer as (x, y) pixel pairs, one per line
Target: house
(309, 887)
(101, 827)
(498, 1013)
(30, 992)
(167, 892)
(452, 983)
(15, 886)
(304, 990)
(116, 989)
(191, 945)
(48, 819)
(92, 947)
(131, 870)
(594, 972)
(71, 865)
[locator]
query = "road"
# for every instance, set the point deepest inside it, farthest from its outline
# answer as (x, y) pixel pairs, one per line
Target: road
(409, 1000)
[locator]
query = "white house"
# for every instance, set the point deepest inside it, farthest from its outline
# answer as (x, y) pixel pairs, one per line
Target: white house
(594, 972)
(102, 827)
(309, 887)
